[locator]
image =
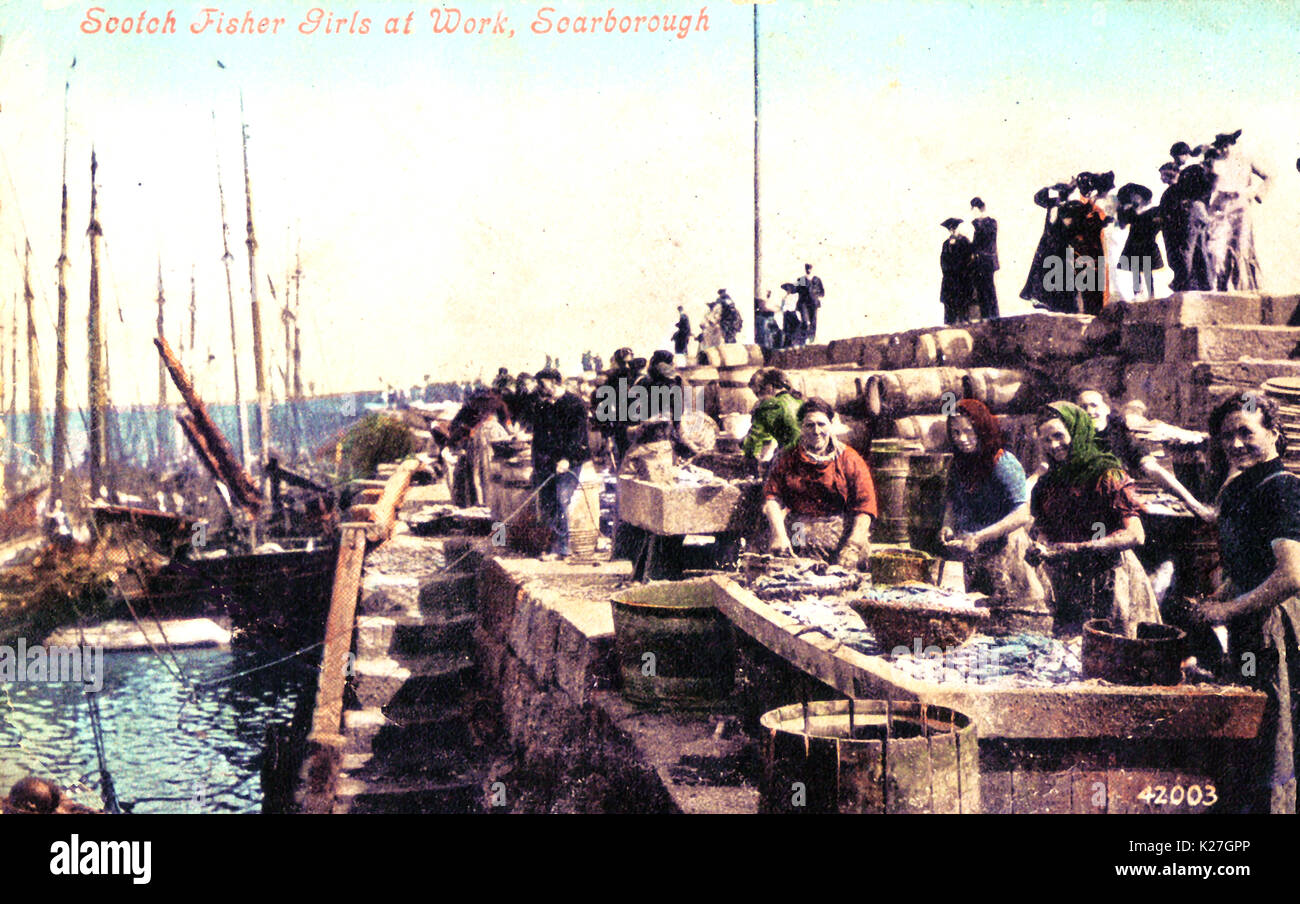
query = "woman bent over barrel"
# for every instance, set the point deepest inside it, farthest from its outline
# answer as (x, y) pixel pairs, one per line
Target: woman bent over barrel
(986, 517)
(825, 489)
(1259, 537)
(1087, 520)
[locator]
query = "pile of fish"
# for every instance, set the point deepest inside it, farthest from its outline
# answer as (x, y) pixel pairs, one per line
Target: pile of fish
(913, 593)
(1017, 660)
(770, 578)
(693, 475)
(832, 617)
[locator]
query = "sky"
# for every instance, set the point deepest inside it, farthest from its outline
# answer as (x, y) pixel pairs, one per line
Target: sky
(462, 202)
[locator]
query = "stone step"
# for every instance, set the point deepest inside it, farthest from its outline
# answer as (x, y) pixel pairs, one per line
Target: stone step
(414, 796)
(437, 678)
(404, 635)
(449, 594)
(373, 730)
(1247, 372)
(413, 596)
(1231, 343)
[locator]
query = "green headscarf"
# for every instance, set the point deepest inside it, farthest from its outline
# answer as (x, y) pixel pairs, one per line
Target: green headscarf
(1086, 463)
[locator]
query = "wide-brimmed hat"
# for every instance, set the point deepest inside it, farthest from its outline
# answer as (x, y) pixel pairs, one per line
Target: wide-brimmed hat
(1226, 138)
(1132, 191)
(1180, 147)
(952, 223)
(549, 373)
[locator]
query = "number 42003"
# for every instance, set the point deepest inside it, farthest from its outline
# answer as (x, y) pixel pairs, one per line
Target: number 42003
(1177, 795)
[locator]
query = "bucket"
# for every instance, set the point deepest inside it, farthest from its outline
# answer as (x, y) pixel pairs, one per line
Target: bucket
(584, 514)
(889, 473)
(869, 756)
(675, 649)
(1155, 656)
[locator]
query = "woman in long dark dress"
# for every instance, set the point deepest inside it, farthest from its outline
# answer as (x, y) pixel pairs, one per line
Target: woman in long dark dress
(1141, 255)
(1086, 514)
(1050, 254)
(956, 261)
(1259, 540)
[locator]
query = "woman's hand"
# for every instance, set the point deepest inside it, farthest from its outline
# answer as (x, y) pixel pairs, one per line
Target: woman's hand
(850, 556)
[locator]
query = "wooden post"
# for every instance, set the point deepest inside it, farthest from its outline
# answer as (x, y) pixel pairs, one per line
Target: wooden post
(35, 408)
(236, 478)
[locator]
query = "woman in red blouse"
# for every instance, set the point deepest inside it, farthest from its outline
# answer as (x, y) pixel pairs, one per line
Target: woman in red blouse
(825, 489)
(1086, 518)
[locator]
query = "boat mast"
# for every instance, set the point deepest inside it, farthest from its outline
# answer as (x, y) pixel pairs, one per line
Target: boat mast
(95, 354)
(162, 377)
(35, 412)
(226, 257)
(259, 368)
(59, 450)
(297, 331)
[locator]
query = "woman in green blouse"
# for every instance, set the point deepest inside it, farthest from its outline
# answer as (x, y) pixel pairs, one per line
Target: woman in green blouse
(775, 424)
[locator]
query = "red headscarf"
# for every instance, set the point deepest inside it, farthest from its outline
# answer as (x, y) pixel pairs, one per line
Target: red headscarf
(974, 468)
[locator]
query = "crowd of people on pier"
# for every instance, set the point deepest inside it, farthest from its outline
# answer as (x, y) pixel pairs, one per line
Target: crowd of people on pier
(1051, 547)
(1203, 218)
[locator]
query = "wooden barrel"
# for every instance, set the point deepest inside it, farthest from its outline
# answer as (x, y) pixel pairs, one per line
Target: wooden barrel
(912, 391)
(708, 401)
(889, 473)
(733, 354)
(869, 756)
(929, 430)
(736, 376)
(1155, 656)
(951, 348)
(927, 486)
(755, 355)
(896, 353)
(675, 649)
(700, 374)
(1001, 390)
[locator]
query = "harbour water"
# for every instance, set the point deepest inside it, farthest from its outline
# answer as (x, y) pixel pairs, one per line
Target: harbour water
(183, 733)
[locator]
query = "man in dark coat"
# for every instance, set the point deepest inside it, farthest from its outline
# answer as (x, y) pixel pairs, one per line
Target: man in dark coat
(682, 335)
(559, 449)
(985, 250)
(955, 292)
(811, 291)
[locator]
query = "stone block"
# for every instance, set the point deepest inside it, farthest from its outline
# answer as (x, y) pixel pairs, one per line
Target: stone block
(680, 509)
(1105, 373)
(374, 635)
(1043, 337)
(1231, 343)
(540, 656)
(1281, 310)
(1140, 341)
(384, 594)
(520, 625)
